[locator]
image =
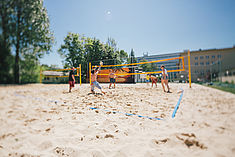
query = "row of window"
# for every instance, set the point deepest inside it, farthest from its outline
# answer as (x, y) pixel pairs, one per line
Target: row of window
(206, 63)
(201, 71)
(207, 57)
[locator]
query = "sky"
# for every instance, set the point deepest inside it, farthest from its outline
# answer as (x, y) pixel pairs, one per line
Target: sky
(153, 26)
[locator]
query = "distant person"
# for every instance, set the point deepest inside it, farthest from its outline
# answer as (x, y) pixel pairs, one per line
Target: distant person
(147, 79)
(153, 79)
(164, 79)
(94, 82)
(112, 77)
(71, 79)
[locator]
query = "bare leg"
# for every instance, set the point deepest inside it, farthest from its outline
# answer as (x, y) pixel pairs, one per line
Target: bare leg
(163, 85)
(110, 85)
(114, 85)
(166, 83)
(102, 91)
(92, 90)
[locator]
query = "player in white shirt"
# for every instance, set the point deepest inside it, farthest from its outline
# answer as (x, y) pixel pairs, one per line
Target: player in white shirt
(164, 79)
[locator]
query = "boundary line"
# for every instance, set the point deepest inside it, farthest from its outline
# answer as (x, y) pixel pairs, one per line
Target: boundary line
(127, 114)
(178, 103)
(114, 112)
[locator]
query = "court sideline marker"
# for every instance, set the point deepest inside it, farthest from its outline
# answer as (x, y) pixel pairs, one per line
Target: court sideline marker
(178, 103)
(128, 114)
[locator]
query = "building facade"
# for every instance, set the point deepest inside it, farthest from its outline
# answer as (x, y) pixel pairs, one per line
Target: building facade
(210, 65)
(206, 65)
(170, 65)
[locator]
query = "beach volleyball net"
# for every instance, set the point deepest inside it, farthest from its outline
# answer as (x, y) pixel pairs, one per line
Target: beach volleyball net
(136, 72)
(60, 75)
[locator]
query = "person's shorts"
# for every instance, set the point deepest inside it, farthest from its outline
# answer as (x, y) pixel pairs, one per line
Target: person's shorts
(112, 80)
(71, 83)
(147, 80)
(164, 79)
(154, 80)
(95, 84)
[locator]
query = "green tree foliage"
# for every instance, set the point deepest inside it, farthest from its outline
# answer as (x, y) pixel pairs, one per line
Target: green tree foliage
(149, 67)
(131, 58)
(25, 28)
(112, 43)
(30, 72)
(6, 59)
(79, 49)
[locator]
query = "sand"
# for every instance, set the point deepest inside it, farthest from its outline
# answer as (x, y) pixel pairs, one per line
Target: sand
(46, 120)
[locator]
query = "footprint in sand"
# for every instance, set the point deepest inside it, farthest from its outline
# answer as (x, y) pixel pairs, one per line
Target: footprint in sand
(190, 140)
(66, 151)
(22, 155)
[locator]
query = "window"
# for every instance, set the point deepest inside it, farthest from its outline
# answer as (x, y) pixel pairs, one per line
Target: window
(202, 63)
(207, 63)
(196, 63)
(196, 58)
(201, 57)
(202, 72)
(207, 57)
(219, 56)
(212, 62)
(213, 57)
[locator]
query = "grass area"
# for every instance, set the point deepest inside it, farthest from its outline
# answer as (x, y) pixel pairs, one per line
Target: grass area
(226, 89)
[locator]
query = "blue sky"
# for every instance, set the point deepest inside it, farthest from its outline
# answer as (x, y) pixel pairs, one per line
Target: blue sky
(153, 26)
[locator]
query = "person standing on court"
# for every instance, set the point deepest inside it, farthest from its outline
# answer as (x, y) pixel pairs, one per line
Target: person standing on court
(164, 79)
(71, 79)
(94, 82)
(112, 77)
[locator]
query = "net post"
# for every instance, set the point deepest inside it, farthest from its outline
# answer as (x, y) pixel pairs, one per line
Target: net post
(90, 72)
(77, 74)
(183, 63)
(189, 69)
(80, 74)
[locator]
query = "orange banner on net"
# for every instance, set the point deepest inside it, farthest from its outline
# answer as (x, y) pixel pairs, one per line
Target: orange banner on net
(121, 75)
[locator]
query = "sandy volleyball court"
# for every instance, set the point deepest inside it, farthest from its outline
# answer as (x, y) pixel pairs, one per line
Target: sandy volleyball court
(46, 120)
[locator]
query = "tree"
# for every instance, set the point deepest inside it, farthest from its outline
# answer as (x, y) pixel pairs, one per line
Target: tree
(132, 58)
(112, 43)
(26, 25)
(149, 67)
(6, 57)
(6, 60)
(79, 49)
(30, 71)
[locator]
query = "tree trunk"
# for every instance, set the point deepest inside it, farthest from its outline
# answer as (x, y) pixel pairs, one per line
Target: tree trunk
(17, 69)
